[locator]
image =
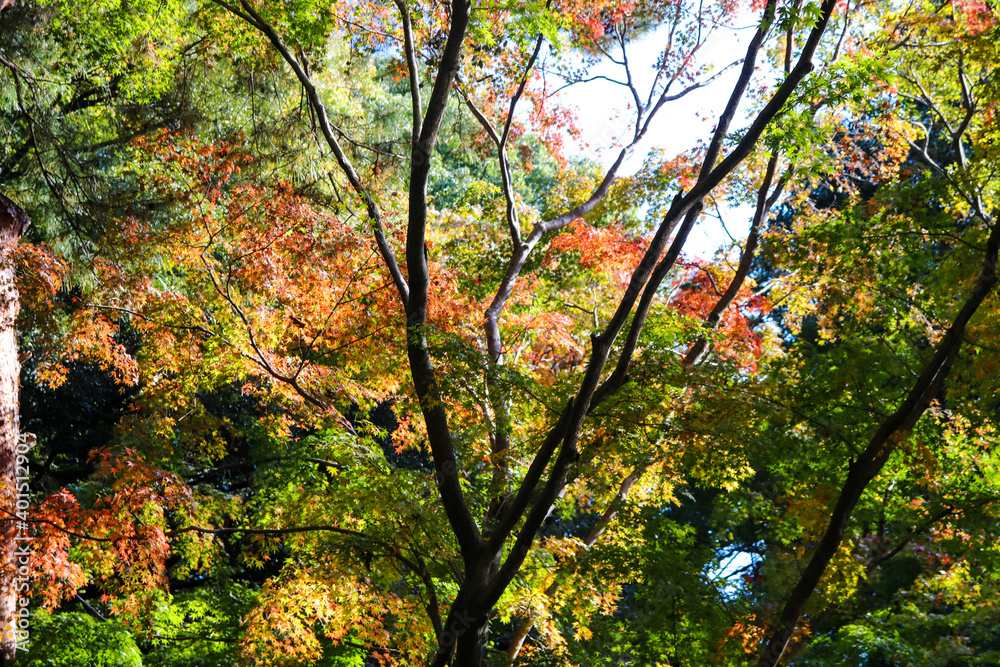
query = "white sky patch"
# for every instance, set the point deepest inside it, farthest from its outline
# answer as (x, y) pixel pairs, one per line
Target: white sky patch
(729, 575)
(604, 114)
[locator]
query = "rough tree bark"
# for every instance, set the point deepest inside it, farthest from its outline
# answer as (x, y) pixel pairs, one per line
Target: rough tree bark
(13, 222)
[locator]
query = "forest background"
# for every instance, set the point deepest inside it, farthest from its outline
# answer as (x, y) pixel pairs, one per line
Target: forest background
(334, 347)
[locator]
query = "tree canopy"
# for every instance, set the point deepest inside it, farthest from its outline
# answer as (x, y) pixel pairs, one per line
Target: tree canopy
(337, 346)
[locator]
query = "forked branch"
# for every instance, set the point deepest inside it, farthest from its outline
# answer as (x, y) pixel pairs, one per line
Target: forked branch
(684, 207)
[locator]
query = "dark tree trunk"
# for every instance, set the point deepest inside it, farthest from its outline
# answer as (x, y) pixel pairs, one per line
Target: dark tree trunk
(472, 644)
(465, 639)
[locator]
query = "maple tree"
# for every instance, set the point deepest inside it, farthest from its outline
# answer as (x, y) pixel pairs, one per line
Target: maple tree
(373, 369)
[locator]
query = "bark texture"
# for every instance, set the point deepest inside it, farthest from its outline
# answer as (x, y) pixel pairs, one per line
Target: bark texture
(13, 221)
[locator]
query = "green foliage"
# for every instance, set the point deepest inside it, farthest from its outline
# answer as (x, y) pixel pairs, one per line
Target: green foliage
(75, 639)
(199, 627)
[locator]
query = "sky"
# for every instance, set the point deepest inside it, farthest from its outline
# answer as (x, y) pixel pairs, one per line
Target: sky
(679, 125)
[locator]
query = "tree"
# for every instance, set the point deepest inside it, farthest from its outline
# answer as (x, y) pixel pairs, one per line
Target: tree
(894, 428)
(494, 549)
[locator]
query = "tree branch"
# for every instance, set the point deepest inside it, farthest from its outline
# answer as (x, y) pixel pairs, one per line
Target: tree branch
(411, 67)
(567, 431)
(764, 204)
(892, 431)
(250, 15)
(424, 380)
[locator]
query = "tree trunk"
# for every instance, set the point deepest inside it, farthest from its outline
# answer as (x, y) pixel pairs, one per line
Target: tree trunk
(13, 221)
(472, 644)
(466, 634)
